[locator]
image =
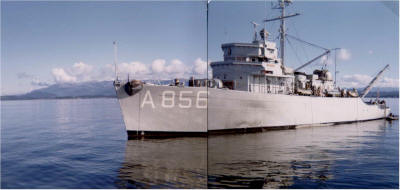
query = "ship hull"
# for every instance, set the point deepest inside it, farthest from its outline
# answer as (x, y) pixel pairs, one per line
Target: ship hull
(237, 109)
(192, 111)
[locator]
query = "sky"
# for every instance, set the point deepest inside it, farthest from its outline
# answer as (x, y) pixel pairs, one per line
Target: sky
(367, 32)
(53, 42)
(44, 43)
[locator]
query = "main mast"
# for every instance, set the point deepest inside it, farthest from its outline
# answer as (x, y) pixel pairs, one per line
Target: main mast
(282, 4)
(282, 31)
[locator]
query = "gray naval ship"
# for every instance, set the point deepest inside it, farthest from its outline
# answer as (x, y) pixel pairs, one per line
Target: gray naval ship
(251, 90)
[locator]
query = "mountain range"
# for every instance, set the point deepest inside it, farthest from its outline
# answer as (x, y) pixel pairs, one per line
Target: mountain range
(96, 89)
(106, 89)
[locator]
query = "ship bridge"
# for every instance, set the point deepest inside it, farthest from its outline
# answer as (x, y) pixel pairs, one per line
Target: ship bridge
(253, 67)
(250, 52)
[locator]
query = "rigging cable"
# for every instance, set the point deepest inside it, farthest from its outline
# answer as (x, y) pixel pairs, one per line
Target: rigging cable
(295, 52)
(302, 47)
(311, 44)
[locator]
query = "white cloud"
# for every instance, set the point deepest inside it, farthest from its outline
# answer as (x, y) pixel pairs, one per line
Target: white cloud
(158, 65)
(106, 73)
(133, 68)
(388, 82)
(78, 72)
(82, 71)
(344, 54)
(176, 69)
(341, 55)
(158, 69)
(200, 66)
(356, 80)
(81, 68)
(359, 80)
(60, 76)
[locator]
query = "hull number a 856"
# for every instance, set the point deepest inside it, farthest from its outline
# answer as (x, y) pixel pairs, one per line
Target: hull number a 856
(181, 99)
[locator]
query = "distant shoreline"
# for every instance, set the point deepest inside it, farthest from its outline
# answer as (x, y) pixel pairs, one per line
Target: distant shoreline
(55, 98)
(96, 97)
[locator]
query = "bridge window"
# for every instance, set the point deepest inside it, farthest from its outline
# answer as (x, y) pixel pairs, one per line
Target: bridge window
(271, 50)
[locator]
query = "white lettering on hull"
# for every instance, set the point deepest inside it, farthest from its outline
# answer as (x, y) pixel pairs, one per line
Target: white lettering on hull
(182, 99)
(199, 99)
(148, 100)
(168, 100)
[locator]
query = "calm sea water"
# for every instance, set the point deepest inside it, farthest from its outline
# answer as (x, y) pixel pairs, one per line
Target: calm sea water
(81, 143)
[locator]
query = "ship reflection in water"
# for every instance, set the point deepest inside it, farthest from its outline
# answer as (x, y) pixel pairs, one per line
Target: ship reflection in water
(165, 163)
(357, 155)
(335, 156)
